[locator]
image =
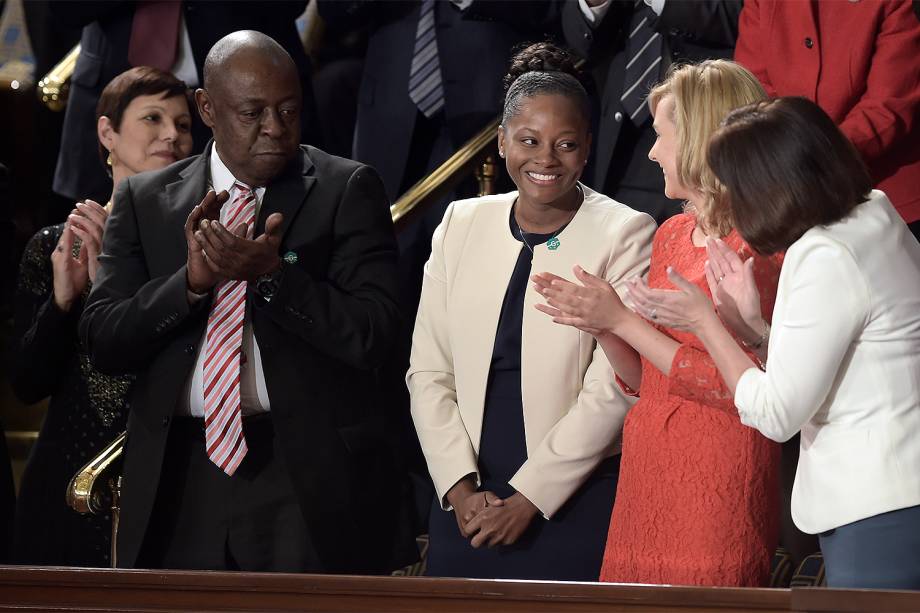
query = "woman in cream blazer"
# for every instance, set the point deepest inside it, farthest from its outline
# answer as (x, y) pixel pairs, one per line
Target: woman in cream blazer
(519, 418)
(573, 410)
(844, 351)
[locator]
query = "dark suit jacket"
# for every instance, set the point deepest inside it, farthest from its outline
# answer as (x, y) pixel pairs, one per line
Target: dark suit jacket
(104, 55)
(474, 49)
(692, 31)
(331, 321)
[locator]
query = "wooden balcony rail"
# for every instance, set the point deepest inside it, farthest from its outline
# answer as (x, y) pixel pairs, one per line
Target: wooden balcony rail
(59, 589)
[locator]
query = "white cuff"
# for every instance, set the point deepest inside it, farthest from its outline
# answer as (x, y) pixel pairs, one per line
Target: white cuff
(656, 5)
(594, 14)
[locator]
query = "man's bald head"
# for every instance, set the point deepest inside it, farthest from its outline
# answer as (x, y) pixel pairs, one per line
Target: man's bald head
(246, 48)
(252, 102)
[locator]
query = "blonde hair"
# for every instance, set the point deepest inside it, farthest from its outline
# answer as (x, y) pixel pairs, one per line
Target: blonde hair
(704, 94)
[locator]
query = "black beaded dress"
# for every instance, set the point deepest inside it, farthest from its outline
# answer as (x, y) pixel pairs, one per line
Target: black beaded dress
(570, 545)
(86, 411)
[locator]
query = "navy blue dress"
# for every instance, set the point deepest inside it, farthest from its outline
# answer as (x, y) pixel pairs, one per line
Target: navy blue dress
(568, 547)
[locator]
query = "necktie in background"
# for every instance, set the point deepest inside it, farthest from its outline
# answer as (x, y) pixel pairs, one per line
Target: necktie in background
(155, 33)
(223, 418)
(426, 88)
(644, 51)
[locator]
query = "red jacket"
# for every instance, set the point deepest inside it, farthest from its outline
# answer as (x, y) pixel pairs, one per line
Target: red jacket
(860, 61)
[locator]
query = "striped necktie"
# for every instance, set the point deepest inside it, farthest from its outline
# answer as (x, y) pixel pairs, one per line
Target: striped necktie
(644, 50)
(155, 33)
(426, 88)
(223, 419)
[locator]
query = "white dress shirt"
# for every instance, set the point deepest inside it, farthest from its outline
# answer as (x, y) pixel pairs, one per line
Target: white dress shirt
(253, 391)
(844, 367)
(184, 69)
(595, 14)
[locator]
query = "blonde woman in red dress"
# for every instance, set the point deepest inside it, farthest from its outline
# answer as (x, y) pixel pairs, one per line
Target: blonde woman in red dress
(697, 500)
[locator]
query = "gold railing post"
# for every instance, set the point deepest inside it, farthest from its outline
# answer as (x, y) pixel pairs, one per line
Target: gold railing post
(115, 485)
(485, 176)
(54, 87)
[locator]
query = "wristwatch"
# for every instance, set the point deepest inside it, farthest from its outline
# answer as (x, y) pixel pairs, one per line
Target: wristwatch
(266, 285)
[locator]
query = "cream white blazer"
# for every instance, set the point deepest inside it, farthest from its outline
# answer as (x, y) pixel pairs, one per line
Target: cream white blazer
(573, 409)
(844, 366)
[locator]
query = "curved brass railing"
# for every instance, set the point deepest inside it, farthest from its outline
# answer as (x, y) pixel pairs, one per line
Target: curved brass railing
(446, 176)
(85, 492)
(54, 86)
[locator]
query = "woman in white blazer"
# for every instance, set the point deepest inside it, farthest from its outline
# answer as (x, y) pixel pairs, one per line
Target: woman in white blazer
(844, 350)
(519, 418)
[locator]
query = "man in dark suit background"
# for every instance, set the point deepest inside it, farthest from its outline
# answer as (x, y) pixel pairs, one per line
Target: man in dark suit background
(106, 51)
(677, 31)
(309, 482)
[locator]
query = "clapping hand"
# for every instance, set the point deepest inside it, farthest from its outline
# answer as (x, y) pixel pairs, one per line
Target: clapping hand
(734, 291)
(593, 307)
(235, 254)
(685, 308)
(200, 277)
(72, 275)
(88, 223)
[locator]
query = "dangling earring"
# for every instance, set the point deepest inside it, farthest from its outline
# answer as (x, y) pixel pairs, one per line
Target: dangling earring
(108, 160)
(501, 154)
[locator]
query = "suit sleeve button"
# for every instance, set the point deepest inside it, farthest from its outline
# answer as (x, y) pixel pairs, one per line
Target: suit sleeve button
(190, 349)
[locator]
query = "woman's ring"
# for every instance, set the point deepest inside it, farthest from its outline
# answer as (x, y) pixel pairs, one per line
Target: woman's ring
(720, 278)
(654, 313)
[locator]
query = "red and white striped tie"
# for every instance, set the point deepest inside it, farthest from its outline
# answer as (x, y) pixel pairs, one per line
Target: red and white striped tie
(223, 420)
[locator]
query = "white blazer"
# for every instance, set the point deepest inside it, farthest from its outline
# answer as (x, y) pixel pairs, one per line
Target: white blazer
(844, 368)
(573, 409)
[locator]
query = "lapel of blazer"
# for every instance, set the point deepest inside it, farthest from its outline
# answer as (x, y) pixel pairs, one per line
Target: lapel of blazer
(485, 264)
(287, 194)
(181, 197)
(550, 352)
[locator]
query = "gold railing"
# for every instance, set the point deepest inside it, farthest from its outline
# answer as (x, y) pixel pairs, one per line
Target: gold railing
(85, 492)
(450, 173)
(54, 86)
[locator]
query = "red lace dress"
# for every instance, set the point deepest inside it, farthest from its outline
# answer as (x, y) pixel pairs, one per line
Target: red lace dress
(697, 501)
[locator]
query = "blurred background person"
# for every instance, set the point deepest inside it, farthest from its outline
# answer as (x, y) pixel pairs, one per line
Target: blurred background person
(845, 345)
(688, 511)
(143, 122)
(860, 62)
(629, 45)
(519, 419)
(174, 36)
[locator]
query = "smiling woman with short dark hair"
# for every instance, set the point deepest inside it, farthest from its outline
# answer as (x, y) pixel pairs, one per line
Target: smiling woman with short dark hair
(519, 419)
(143, 124)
